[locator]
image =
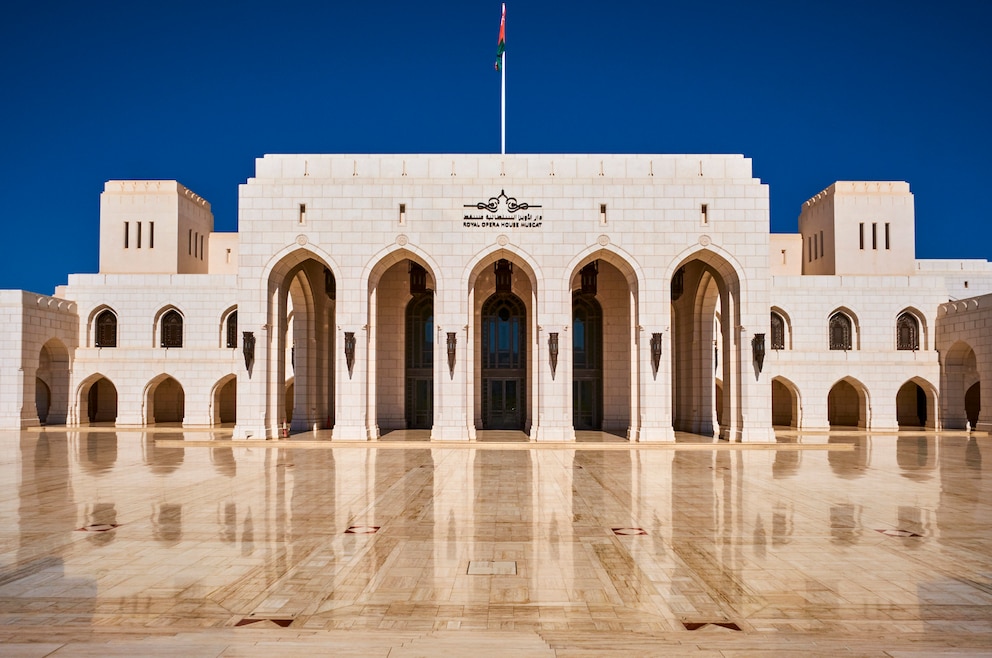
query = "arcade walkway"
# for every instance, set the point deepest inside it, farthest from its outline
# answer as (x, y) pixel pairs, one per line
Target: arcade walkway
(173, 542)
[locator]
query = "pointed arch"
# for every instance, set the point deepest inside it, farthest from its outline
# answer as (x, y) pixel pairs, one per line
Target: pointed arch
(165, 400)
(787, 408)
(911, 330)
(849, 404)
(96, 400)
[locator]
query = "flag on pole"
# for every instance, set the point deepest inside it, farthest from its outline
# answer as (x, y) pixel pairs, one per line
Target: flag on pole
(501, 46)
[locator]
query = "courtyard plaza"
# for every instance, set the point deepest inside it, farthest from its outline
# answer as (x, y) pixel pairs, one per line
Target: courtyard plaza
(165, 541)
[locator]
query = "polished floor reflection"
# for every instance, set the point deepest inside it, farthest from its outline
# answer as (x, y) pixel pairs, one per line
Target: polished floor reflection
(129, 542)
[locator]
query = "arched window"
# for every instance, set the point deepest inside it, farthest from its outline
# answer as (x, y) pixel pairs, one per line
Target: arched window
(840, 332)
(106, 329)
(172, 329)
(778, 331)
(907, 332)
(232, 330)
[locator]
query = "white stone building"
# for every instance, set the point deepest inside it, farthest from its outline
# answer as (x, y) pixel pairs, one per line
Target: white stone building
(636, 294)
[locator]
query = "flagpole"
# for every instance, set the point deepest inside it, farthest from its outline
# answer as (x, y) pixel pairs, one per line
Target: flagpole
(502, 109)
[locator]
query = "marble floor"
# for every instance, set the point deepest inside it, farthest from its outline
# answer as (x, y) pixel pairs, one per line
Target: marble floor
(173, 542)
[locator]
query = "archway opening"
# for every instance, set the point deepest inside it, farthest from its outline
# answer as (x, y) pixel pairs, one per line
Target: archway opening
(915, 405)
(226, 401)
(502, 291)
(402, 353)
(603, 289)
(784, 405)
(166, 402)
(959, 375)
(705, 308)
(973, 403)
(52, 383)
(98, 401)
(302, 314)
(42, 399)
(846, 406)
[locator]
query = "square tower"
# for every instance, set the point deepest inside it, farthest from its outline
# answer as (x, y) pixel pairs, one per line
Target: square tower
(153, 227)
(859, 227)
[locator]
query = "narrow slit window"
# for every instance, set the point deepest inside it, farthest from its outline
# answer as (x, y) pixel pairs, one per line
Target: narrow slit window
(602, 214)
(815, 251)
(874, 235)
(704, 215)
(821, 244)
(196, 243)
(783, 256)
(151, 235)
(191, 242)
(127, 231)
(201, 247)
(303, 213)
(228, 256)
(139, 235)
(402, 214)
(861, 228)
(886, 235)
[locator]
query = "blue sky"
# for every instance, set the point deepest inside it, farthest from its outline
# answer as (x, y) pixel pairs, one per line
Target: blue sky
(812, 92)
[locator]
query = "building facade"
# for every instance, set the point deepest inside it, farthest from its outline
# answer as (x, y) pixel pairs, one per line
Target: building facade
(635, 294)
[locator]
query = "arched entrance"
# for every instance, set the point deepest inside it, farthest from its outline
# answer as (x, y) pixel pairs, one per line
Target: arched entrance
(959, 387)
(403, 342)
(847, 405)
(785, 403)
(52, 383)
(301, 314)
(604, 311)
(705, 294)
(165, 401)
(419, 359)
(225, 401)
(97, 401)
(587, 361)
(504, 362)
(916, 404)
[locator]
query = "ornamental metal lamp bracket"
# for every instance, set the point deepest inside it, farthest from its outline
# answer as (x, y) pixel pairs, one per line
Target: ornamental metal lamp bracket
(452, 347)
(758, 348)
(248, 348)
(349, 351)
(655, 354)
(553, 352)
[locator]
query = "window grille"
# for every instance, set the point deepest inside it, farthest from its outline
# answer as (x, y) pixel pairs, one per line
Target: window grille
(778, 331)
(232, 330)
(172, 329)
(840, 332)
(907, 332)
(106, 329)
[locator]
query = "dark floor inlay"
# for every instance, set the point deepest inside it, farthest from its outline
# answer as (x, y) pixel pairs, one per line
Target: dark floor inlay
(362, 530)
(897, 533)
(248, 621)
(98, 527)
(695, 626)
(629, 531)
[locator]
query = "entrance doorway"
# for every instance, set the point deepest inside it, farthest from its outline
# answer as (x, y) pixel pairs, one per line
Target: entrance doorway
(420, 361)
(587, 362)
(504, 362)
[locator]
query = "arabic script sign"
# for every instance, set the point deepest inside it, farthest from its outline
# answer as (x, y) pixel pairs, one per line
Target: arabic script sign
(500, 212)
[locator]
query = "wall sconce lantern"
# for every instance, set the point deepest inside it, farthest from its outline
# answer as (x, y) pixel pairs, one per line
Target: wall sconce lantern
(349, 351)
(248, 347)
(553, 352)
(655, 354)
(452, 345)
(758, 348)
